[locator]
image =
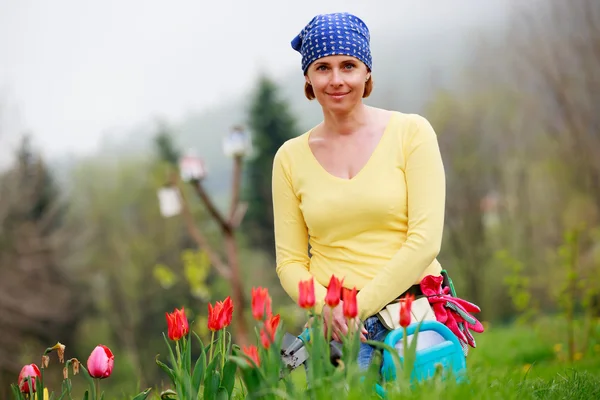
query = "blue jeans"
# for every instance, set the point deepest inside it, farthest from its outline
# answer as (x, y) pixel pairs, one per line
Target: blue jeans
(375, 332)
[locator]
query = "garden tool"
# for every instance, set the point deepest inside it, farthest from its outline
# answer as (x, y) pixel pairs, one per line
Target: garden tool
(295, 354)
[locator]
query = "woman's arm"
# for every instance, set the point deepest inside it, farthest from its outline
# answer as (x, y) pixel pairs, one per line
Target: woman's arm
(426, 194)
(291, 233)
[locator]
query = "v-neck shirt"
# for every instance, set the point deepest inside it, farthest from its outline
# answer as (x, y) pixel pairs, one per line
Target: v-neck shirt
(380, 231)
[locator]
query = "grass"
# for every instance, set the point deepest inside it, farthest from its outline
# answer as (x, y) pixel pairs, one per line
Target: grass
(510, 362)
(518, 362)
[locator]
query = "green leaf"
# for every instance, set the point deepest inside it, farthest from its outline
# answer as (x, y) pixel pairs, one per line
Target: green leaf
(211, 384)
(39, 386)
(171, 354)
(251, 378)
(142, 395)
(85, 395)
(64, 392)
(188, 354)
(222, 394)
(90, 382)
(168, 394)
(228, 380)
(16, 392)
(168, 370)
(198, 375)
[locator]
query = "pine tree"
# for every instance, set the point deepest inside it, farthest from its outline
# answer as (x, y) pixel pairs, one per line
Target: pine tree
(41, 301)
(271, 124)
(164, 145)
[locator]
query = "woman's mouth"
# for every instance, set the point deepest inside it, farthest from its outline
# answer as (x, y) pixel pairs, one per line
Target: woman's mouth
(338, 95)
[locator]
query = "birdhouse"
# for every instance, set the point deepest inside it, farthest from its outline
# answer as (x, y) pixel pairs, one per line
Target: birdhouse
(191, 168)
(169, 201)
(237, 143)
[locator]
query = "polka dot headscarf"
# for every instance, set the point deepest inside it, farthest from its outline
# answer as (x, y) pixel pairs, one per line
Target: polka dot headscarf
(333, 34)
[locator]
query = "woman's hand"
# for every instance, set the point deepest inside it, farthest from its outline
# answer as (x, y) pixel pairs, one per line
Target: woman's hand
(336, 322)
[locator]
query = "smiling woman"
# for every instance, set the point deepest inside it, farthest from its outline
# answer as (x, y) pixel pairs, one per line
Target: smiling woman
(345, 64)
(365, 188)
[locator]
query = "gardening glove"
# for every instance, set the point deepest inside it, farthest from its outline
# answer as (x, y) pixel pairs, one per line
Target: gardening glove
(451, 311)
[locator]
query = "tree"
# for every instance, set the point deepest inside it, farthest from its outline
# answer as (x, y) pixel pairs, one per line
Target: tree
(227, 267)
(271, 124)
(39, 300)
(164, 147)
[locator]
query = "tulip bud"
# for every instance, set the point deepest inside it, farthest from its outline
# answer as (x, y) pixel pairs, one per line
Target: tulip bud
(334, 292)
(100, 362)
(261, 303)
(306, 294)
(405, 313)
(220, 315)
(177, 324)
(252, 352)
(267, 334)
(350, 306)
(32, 371)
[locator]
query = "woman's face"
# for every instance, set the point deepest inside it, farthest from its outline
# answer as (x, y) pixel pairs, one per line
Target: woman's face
(338, 81)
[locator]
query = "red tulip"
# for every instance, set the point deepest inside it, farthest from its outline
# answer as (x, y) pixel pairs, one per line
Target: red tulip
(405, 315)
(31, 371)
(252, 352)
(267, 334)
(100, 363)
(350, 306)
(306, 298)
(334, 292)
(227, 312)
(177, 324)
(261, 303)
(220, 315)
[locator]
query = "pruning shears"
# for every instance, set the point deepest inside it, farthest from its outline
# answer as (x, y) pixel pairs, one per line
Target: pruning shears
(294, 352)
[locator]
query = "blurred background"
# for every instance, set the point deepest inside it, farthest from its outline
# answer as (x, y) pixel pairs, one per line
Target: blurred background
(100, 101)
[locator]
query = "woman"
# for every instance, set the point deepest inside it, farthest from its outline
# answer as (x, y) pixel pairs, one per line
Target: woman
(365, 189)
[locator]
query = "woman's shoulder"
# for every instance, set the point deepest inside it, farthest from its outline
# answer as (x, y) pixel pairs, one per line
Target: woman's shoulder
(409, 125)
(293, 146)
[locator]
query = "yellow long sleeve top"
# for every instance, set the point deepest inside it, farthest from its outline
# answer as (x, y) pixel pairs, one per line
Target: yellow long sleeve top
(380, 231)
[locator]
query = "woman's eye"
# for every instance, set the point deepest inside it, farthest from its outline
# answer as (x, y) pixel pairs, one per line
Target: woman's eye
(349, 66)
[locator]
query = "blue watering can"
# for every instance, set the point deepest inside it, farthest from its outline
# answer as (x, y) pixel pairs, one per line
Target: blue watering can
(437, 348)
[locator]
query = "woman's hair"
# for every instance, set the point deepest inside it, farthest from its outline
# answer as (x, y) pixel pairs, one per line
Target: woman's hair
(310, 93)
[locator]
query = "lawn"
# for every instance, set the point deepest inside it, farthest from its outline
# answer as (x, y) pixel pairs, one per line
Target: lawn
(519, 362)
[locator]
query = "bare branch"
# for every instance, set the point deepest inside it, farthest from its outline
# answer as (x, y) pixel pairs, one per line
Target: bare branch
(223, 224)
(236, 187)
(221, 267)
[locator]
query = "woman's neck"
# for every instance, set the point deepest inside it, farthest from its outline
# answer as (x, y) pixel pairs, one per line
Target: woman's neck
(346, 123)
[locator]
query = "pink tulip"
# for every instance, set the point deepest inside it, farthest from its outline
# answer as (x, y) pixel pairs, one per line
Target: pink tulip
(100, 363)
(33, 372)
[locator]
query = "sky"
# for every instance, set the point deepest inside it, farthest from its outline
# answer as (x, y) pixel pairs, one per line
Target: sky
(72, 71)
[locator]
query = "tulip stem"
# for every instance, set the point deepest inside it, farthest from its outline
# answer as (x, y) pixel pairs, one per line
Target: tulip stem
(329, 325)
(42, 378)
(178, 350)
(224, 348)
(97, 385)
(212, 343)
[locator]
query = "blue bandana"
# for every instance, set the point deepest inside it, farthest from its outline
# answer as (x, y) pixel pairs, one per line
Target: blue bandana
(333, 34)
